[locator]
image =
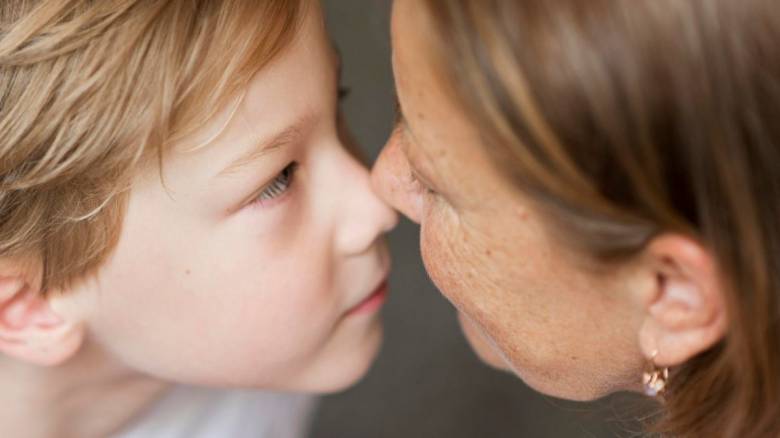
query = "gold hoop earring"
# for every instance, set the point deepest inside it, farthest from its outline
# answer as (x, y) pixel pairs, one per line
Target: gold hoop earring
(655, 378)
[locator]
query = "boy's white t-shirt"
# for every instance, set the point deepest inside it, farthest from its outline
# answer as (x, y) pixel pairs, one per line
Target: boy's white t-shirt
(189, 412)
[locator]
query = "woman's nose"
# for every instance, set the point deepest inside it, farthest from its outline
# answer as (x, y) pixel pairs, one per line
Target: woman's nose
(390, 179)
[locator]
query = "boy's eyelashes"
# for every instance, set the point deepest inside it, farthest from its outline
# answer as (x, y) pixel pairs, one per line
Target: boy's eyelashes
(278, 187)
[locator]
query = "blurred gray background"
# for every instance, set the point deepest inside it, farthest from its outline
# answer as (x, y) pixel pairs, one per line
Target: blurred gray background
(427, 382)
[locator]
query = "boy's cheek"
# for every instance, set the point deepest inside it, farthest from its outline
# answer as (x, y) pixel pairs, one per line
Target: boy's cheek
(77, 304)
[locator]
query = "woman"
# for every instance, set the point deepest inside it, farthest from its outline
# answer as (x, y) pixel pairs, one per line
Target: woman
(598, 189)
(188, 245)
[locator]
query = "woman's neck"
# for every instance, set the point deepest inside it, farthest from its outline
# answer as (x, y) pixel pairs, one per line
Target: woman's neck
(91, 395)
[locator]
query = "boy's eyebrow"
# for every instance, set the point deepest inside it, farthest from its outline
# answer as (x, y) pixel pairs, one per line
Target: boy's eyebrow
(289, 135)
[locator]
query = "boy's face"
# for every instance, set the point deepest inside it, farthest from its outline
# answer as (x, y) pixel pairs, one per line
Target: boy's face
(258, 260)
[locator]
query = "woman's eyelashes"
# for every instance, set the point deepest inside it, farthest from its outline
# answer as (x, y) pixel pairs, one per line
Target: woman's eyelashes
(418, 185)
(279, 186)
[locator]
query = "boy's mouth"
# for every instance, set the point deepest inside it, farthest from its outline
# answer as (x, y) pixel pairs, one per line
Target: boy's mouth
(371, 303)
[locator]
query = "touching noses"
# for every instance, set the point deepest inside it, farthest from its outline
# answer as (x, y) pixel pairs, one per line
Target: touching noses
(391, 180)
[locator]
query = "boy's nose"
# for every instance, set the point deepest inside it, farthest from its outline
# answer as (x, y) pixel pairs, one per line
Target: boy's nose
(368, 217)
(390, 179)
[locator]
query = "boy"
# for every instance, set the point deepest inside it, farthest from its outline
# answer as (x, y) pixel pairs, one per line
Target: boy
(178, 209)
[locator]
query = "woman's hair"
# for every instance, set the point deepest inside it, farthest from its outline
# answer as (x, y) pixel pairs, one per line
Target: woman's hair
(91, 90)
(624, 119)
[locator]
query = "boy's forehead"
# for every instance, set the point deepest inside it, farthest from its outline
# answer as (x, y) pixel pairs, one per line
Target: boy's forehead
(282, 99)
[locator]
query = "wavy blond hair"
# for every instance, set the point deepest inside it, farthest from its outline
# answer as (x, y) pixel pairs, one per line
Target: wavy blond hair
(91, 90)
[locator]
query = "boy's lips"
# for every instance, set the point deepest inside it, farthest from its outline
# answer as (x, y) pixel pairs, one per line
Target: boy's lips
(371, 303)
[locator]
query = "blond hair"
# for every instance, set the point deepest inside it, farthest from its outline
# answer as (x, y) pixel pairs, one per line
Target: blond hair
(625, 119)
(91, 90)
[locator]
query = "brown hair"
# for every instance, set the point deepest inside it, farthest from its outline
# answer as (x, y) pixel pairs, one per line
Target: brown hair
(90, 90)
(628, 118)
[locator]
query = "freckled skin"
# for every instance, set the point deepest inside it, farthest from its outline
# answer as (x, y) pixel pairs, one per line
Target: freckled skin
(525, 301)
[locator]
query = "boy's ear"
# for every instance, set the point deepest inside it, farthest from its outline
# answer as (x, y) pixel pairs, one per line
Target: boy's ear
(30, 330)
(685, 312)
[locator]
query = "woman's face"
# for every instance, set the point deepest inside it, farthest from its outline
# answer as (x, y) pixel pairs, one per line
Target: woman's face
(258, 260)
(525, 302)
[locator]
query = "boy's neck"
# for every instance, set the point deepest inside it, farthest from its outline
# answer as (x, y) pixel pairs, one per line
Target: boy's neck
(91, 395)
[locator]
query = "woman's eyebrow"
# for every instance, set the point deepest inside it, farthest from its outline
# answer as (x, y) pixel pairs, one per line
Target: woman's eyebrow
(290, 135)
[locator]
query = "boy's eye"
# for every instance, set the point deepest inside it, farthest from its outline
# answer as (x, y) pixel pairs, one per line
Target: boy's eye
(279, 185)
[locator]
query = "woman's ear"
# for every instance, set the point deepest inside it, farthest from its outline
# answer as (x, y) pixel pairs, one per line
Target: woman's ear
(685, 311)
(30, 330)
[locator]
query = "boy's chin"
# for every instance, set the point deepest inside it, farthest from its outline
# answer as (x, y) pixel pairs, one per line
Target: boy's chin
(341, 370)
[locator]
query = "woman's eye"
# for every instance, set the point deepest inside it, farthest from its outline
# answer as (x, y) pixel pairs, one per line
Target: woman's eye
(279, 185)
(418, 185)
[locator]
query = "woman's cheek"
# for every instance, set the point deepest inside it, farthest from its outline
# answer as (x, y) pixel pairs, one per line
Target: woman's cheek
(436, 247)
(481, 344)
(449, 262)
